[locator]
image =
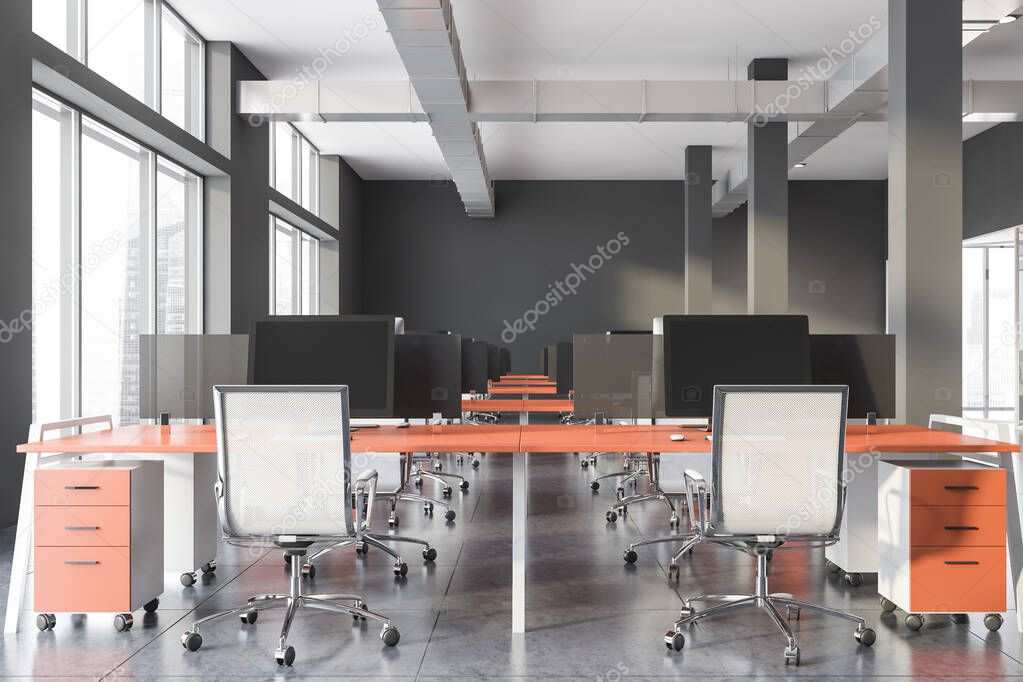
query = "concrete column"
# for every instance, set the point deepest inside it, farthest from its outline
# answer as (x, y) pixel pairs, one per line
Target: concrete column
(925, 205)
(767, 280)
(698, 253)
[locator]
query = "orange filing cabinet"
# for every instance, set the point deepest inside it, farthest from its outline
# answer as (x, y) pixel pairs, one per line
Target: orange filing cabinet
(941, 539)
(98, 540)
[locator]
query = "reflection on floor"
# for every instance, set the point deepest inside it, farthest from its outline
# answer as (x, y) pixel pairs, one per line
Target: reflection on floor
(589, 614)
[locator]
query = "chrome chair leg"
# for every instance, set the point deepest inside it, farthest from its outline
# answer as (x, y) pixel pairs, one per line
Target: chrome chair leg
(695, 616)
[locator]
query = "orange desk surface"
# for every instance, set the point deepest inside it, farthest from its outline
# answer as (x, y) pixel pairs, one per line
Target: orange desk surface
(512, 438)
(523, 382)
(509, 405)
(523, 390)
(542, 377)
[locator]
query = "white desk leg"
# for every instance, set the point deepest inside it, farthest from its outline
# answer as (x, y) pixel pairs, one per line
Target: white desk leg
(520, 493)
(22, 544)
(1014, 531)
(190, 520)
(523, 418)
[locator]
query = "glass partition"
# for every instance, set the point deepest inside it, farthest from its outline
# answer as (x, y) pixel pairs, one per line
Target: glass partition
(178, 372)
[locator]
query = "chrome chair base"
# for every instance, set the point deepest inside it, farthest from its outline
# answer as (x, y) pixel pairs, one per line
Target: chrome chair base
(348, 604)
(770, 603)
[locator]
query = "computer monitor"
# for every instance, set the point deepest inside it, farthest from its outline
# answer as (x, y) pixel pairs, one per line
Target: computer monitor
(701, 351)
(605, 374)
(564, 353)
(493, 362)
(358, 353)
(427, 375)
(864, 362)
(506, 364)
(474, 366)
(543, 362)
(552, 362)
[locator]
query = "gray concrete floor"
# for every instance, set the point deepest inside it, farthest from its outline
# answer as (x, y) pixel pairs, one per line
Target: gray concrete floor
(589, 615)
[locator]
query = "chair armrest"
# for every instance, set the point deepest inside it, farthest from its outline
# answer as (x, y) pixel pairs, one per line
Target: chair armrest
(696, 499)
(366, 475)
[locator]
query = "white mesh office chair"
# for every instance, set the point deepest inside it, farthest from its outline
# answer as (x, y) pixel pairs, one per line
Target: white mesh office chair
(778, 460)
(284, 478)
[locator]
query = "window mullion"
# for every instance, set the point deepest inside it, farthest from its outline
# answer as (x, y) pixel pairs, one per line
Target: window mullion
(71, 302)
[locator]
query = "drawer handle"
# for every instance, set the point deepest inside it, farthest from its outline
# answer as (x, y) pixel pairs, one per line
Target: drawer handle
(961, 528)
(961, 487)
(81, 527)
(81, 487)
(961, 563)
(81, 563)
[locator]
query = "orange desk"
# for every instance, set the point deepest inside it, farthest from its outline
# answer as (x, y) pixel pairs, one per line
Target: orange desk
(192, 441)
(522, 390)
(523, 382)
(542, 377)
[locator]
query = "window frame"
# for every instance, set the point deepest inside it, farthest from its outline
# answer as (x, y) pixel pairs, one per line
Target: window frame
(299, 291)
(299, 145)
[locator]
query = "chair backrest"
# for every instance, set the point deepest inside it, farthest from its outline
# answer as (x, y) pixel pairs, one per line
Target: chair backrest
(284, 460)
(778, 460)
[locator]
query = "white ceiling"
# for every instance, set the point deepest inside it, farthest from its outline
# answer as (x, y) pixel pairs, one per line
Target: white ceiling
(581, 39)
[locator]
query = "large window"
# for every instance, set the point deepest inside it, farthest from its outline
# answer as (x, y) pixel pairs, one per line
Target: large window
(294, 270)
(142, 46)
(116, 252)
(989, 382)
(295, 166)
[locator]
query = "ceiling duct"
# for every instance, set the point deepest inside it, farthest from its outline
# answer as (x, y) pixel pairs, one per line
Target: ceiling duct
(424, 34)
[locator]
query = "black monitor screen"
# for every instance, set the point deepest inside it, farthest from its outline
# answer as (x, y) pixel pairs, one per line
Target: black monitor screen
(301, 350)
(493, 362)
(564, 366)
(474, 366)
(864, 362)
(701, 351)
(427, 375)
(505, 361)
(543, 361)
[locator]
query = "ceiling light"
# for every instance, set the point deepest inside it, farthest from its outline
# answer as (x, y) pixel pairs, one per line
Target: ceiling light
(801, 164)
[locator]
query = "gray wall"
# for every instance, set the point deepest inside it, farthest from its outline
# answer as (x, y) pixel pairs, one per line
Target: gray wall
(426, 260)
(993, 180)
(352, 219)
(15, 246)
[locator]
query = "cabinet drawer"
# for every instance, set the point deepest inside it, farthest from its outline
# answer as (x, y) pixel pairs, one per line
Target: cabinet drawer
(957, 579)
(83, 526)
(945, 487)
(957, 526)
(82, 579)
(83, 487)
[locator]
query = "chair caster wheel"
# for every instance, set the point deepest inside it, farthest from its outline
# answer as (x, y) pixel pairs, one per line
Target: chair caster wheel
(389, 635)
(673, 572)
(449, 515)
(993, 621)
(418, 482)
(361, 548)
(791, 611)
(686, 611)
(428, 507)
(429, 554)
(285, 656)
(191, 640)
(620, 492)
(475, 464)
(866, 636)
(393, 521)
(914, 621)
(464, 485)
(309, 570)
(674, 640)
(854, 579)
(249, 617)
(356, 617)
(630, 556)
(831, 566)
(209, 567)
(46, 621)
(151, 606)
(792, 656)
(584, 464)
(438, 467)
(123, 621)
(611, 516)
(188, 579)
(447, 491)
(400, 569)
(595, 485)
(887, 605)
(673, 522)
